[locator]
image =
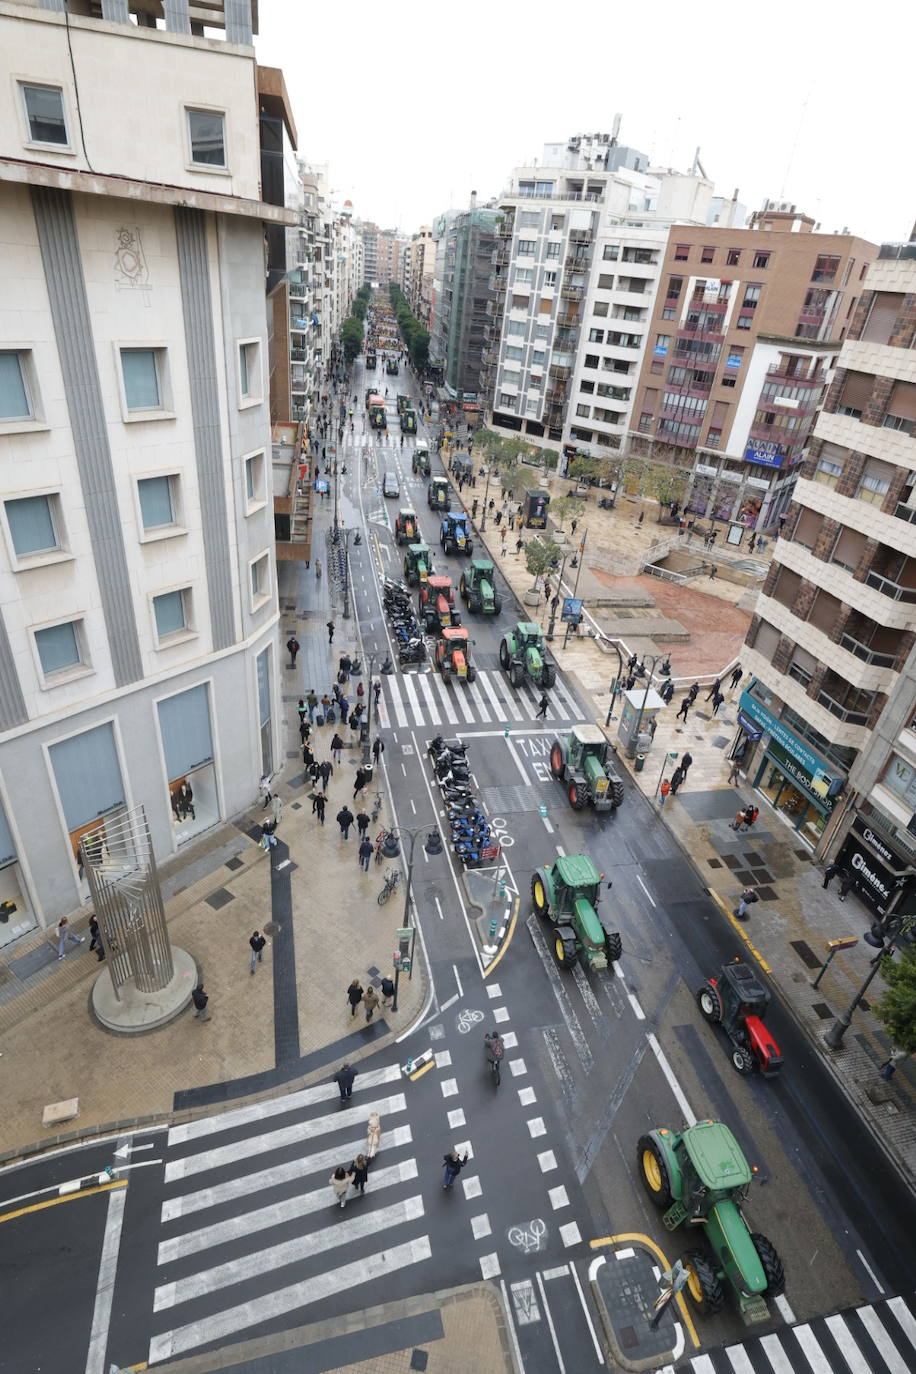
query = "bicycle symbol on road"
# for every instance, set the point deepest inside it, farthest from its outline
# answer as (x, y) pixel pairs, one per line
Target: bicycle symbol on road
(531, 1239)
(466, 1019)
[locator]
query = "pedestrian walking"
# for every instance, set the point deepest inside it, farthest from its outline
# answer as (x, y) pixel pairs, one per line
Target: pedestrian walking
(340, 1181)
(573, 524)
(830, 872)
(345, 1075)
(387, 986)
(694, 692)
(748, 897)
(684, 708)
(542, 706)
(378, 749)
(276, 803)
(370, 998)
(499, 518)
(739, 821)
(714, 689)
(265, 790)
(373, 1135)
(362, 823)
(66, 932)
(302, 709)
(200, 1000)
(717, 702)
(737, 675)
(359, 1172)
(734, 772)
(845, 884)
(337, 745)
(308, 758)
(359, 782)
(95, 941)
(344, 704)
(257, 943)
(365, 853)
(750, 816)
(519, 545)
(677, 777)
(664, 789)
(345, 820)
(304, 730)
(502, 548)
(330, 632)
(454, 1163)
(377, 692)
(318, 805)
(311, 702)
(292, 645)
(686, 761)
(326, 769)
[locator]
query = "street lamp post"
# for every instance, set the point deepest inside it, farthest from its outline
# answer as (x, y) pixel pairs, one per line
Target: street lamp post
(483, 518)
(391, 849)
(346, 579)
(616, 686)
(882, 937)
(669, 754)
(556, 600)
(366, 731)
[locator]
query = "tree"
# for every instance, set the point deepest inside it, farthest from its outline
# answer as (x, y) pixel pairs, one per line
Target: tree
(351, 336)
(897, 1008)
(566, 507)
(540, 556)
(583, 469)
(666, 483)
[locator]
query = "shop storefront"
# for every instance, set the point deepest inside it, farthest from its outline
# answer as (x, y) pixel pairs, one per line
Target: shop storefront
(797, 782)
(16, 915)
(184, 723)
(882, 876)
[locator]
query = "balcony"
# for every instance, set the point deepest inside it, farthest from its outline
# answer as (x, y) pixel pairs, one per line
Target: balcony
(905, 512)
(897, 250)
(886, 587)
(841, 713)
(571, 293)
(583, 236)
(559, 373)
(867, 655)
(577, 262)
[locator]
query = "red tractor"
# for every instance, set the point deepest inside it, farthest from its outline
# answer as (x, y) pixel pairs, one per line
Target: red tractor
(437, 604)
(737, 1001)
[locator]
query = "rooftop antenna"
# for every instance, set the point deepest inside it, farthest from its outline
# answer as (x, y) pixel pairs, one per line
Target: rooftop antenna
(697, 163)
(792, 150)
(615, 129)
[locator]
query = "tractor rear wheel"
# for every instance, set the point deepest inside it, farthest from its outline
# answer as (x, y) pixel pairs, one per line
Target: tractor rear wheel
(710, 1006)
(564, 950)
(616, 791)
(614, 947)
(446, 673)
(772, 1264)
(742, 1060)
(557, 760)
(497, 605)
(472, 672)
(578, 796)
(548, 675)
(463, 589)
(703, 1283)
(504, 655)
(516, 674)
(653, 1170)
(539, 893)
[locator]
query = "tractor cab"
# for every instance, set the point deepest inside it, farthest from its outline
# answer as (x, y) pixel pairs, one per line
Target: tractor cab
(478, 587)
(408, 421)
(737, 1001)
(370, 361)
(406, 527)
(420, 462)
(417, 564)
(437, 604)
(391, 367)
(403, 402)
(453, 656)
(378, 417)
(455, 534)
(437, 494)
(370, 392)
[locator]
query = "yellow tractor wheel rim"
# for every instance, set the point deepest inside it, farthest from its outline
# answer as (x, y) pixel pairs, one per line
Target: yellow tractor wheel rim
(560, 948)
(651, 1171)
(539, 892)
(695, 1288)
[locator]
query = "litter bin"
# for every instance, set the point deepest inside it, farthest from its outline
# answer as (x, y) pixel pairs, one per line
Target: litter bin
(640, 763)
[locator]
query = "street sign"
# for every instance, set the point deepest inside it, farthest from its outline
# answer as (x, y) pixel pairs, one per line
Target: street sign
(847, 942)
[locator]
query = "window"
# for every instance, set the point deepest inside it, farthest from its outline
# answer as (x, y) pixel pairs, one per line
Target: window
(515, 327)
(582, 411)
(873, 488)
(733, 257)
(536, 382)
(157, 506)
(523, 276)
(513, 351)
(59, 647)
(662, 342)
(899, 422)
(520, 302)
(250, 371)
(170, 613)
(541, 331)
(587, 387)
(826, 267)
(596, 336)
(669, 313)
(828, 473)
(761, 259)
(707, 254)
(681, 252)
(553, 250)
(611, 252)
(645, 421)
(526, 248)
(714, 438)
(550, 278)
(675, 286)
(14, 390)
(259, 572)
(605, 282)
(591, 360)
(600, 308)
(140, 369)
(728, 381)
(32, 525)
(743, 322)
(751, 297)
(254, 479)
(529, 219)
(207, 138)
(44, 110)
(538, 358)
(506, 401)
(557, 222)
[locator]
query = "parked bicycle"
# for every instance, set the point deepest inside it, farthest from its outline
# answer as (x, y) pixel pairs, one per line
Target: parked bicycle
(392, 879)
(376, 806)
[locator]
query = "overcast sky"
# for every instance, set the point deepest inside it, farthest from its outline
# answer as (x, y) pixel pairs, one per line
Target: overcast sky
(414, 104)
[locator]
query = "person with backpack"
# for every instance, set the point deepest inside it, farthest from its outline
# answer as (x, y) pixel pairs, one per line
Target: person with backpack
(748, 897)
(200, 1000)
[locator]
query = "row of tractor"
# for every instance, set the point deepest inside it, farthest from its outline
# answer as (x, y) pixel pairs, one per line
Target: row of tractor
(406, 414)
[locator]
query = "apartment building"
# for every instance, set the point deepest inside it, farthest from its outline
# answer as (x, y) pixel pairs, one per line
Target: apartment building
(743, 332)
(461, 314)
(829, 716)
(421, 260)
(138, 605)
(581, 239)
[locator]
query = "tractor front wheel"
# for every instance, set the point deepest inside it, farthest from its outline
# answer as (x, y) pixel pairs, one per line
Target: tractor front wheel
(613, 947)
(703, 1283)
(548, 675)
(446, 674)
(653, 1170)
(497, 605)
(557, 760)
(709, 1004)
(564, 949)
(463, 589)
(616, 791)
(472, 672)
(742, 1060)
(772, 1264)
(504, 656)
(539, 893)
(578, 796)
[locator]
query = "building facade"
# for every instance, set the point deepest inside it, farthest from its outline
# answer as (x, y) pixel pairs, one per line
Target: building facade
(138, 604)
(461, 316)
(580, 241)
(421, 266)
(831, 649)
(743, 332)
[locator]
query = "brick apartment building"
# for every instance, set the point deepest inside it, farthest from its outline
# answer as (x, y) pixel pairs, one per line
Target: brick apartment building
(745, 326)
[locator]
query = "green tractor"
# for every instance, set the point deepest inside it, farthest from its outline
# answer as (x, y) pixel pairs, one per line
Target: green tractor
(409, 421)
(420, 460)
(701, 1178)
(567, 894)
(522, 654)
(437, 494)
(478, 587)
(403, 402)
(417, 564)
(580, 762)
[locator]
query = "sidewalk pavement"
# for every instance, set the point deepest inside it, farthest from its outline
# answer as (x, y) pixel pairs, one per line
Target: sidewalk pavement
(789, 927)
(288, 1024)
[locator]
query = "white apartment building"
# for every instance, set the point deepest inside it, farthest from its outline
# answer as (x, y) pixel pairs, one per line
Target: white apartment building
(138, 604)
(419, 273)
(582, 237)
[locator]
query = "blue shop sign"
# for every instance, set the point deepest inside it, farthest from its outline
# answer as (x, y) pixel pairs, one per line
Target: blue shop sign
(781, 733)
(750, 728)
(766, 454)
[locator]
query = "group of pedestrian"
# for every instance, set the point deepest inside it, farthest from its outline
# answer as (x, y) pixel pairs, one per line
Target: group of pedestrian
(356, 1173)
(831, 871)
(745, 818)
(369, 999)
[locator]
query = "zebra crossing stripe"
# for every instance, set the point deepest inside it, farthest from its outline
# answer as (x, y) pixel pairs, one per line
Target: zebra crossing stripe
(460, 693)
(221, 1325)
(408, 681)
(484, 680)
(373, 1223)
(444, 698)
(474, 693)
(272, 1140)
(259, 1111)
(811, 1350)
(275, 1214)
(905, 1318)
(883, 1343)
(777, 1357)
(423, 684)
(507, 703)
(234, 1188)
(847, 1346)
(400, 713)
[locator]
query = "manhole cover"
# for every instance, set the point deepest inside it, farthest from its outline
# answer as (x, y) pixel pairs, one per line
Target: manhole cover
(272, 928)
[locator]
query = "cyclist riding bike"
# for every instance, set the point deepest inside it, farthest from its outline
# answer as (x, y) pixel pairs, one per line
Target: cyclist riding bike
(494, 1048)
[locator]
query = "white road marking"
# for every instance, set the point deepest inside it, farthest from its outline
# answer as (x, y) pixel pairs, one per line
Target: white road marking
(490, 1266)
(518, 763)
(904, 1317)
(547, 825)
(484, 680)
(494, 990)
(458, 981)
(772, 1348)
(431, 706)
(440, 911)
(883, 1343)
(645, 890)
(444, 696)
(785, 1311)
(410, 691)
(631, 996)
(679, 1095)
(412, 807)
(547, 1160)
(598, 1351)
(510, 1327)
(871, 1273)
(558, 1197)
(456, 1118)
(536, 1127)
(221, 1325)
(812, 1350)
(573, 1024)
(527, 1096)
(452, 1000)
(517, 1066)
(480, 1226)
(570, 1234)
(472, 1187)
(104, 1291)
(553, 1334)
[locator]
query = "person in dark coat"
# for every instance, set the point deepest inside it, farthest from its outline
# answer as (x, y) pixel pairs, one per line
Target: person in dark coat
(345, 820)
(677, 777)
(713, 689)
(344, 1078)
(95, 941)
(684, 707)
(454, 1163)
(359, 782)
(845, 884)
(326, 770)
(257, 943)
(360, 1171)
(387, 987)
(830, 873)
(200, 1000)
(319, 804)
(378, 749)
(686, 761)
(337, 745)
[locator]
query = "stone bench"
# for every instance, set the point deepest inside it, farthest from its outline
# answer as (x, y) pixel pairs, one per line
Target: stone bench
(57, 1112)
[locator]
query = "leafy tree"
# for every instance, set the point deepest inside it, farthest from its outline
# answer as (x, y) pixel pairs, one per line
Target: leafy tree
(351, 336)
(666, 483)
(634, 472)
(540, 556)
(566, 507)
(897, 1008)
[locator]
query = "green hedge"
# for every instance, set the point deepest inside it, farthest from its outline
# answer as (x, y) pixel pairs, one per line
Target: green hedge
(416, 338)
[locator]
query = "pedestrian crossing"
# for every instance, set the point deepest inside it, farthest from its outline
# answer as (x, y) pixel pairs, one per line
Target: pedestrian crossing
(424, 699)
(861, 1340)
(250, 1228)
